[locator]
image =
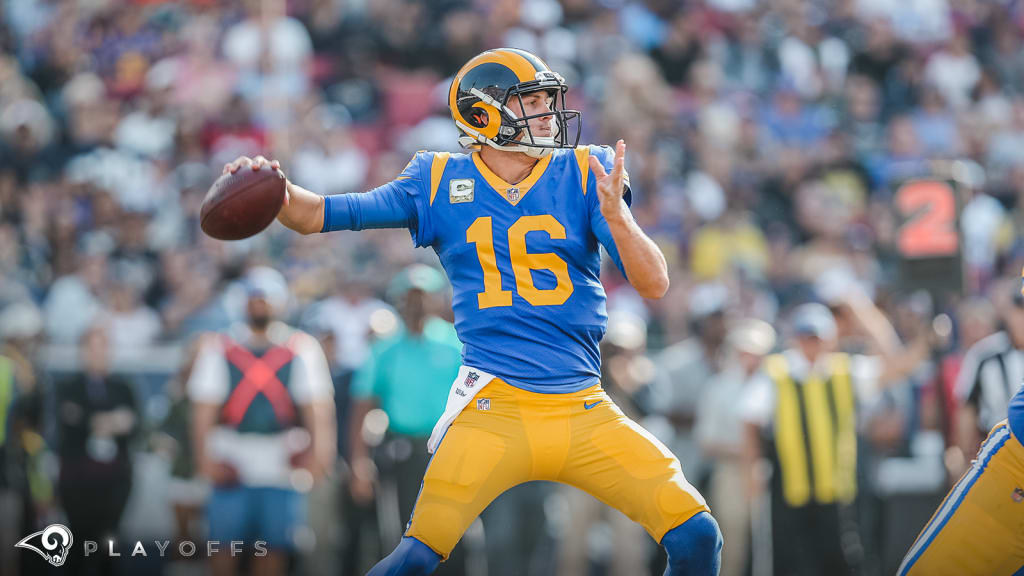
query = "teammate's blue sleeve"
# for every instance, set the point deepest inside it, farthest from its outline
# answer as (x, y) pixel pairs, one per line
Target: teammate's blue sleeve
(397, 204)
(598, 225)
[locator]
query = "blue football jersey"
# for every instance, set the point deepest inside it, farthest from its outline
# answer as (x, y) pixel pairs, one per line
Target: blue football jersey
(523, 261)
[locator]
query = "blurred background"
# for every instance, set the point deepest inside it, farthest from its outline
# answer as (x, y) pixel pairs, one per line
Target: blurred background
(867, 155)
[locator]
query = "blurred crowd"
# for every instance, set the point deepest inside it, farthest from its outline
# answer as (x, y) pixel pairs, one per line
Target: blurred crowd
(767, 139)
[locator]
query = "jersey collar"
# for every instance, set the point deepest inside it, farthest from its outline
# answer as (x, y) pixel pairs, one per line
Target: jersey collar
(512, 193)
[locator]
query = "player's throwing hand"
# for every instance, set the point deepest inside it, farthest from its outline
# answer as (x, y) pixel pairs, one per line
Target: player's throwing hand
(610, 186)
(255, 163)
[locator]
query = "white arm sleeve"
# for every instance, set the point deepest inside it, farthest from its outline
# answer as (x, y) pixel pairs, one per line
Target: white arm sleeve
(866, 373)
(208, 382)
(758, 404)
(310, 378)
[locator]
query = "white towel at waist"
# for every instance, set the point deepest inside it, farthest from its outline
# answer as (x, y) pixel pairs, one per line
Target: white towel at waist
(468, 383)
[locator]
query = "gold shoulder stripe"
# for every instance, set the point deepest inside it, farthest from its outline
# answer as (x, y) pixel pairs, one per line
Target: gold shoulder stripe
(436, 171)
(583, 159)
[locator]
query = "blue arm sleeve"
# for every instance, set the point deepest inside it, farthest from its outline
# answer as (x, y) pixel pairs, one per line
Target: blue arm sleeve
(388, 206)
(400, 203)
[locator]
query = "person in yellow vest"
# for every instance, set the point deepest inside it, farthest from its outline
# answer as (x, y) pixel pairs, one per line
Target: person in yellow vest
(26, 490)
(263, 428)
(800, 413)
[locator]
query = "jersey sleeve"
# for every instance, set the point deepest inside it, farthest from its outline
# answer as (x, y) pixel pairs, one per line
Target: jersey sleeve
(598, 225)
(400, 203)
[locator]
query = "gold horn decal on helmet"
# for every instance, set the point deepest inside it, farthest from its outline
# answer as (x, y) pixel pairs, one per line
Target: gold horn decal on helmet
(485, 118)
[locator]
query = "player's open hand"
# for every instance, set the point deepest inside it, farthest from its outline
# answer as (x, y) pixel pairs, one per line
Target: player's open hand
(610, 185)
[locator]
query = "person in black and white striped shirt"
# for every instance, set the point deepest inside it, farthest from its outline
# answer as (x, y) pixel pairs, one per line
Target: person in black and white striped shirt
(991, 373)
(976, 530)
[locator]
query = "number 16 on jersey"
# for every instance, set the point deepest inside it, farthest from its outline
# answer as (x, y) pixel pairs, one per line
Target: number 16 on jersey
(523, 263)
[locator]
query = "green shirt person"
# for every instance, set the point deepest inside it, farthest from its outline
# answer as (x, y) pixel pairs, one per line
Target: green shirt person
(408, 374)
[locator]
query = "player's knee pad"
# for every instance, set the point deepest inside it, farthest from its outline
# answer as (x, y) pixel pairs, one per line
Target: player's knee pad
(694, 547)
(410, 558)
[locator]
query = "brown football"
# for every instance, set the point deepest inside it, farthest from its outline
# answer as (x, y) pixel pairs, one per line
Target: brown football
(242, 204)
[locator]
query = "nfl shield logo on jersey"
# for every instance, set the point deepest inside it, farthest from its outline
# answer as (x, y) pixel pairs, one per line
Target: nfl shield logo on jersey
(1018, 495)
(471, 379)
(483, 403)
(512, 194)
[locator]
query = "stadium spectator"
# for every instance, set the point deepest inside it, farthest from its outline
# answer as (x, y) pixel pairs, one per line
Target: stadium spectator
(262, 427)
(24, 487)
(98, 419)
(684, 371)
(719, 432)
(991, 371)
(407, 375)
(801, 412)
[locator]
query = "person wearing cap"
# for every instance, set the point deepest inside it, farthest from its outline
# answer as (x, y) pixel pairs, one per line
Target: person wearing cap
(977, 530)
(408, 375)
(719, 433)
(98, 420)
(800, 412)
(262, 426)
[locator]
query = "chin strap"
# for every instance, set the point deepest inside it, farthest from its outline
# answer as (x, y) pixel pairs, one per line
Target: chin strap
(531, 151)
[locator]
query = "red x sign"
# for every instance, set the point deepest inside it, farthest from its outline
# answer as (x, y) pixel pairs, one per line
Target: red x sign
(259, 375)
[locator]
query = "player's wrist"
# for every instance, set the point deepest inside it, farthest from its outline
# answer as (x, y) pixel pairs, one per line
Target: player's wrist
(615, 212)
(303, 211)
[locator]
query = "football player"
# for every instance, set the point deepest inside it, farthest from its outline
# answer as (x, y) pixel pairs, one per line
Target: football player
(978, 529)
(517, 223)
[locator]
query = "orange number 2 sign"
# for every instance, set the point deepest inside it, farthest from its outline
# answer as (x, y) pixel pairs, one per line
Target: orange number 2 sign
(928, 211)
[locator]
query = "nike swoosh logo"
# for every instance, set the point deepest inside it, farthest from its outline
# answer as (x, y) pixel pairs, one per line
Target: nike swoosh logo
(589, 406)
